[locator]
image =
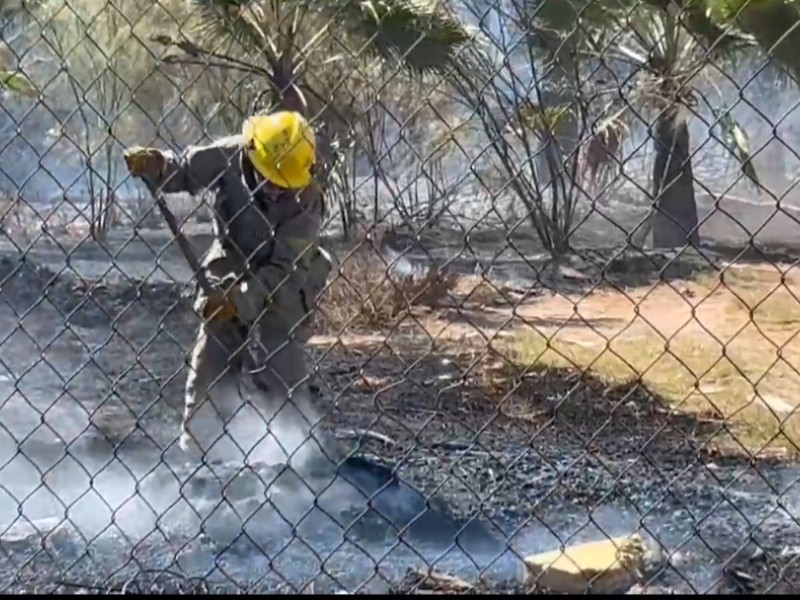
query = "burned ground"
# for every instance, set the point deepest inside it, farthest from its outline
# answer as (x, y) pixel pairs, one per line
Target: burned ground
(449, 397)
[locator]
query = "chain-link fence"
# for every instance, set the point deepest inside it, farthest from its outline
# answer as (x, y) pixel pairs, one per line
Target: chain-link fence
(561, 307)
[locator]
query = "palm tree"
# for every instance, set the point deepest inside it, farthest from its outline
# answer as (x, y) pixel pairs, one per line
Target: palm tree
(306, 51)
(657, 49)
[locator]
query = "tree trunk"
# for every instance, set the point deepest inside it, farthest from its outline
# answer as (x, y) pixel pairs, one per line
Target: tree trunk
(554, 161)
(675, 220)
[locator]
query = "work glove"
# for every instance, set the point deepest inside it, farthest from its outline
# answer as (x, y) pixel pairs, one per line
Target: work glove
(218, 307)
(233, 301)
(217, 304)
(144, 162)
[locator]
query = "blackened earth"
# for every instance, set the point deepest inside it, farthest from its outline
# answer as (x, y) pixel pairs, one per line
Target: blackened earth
(359, 529)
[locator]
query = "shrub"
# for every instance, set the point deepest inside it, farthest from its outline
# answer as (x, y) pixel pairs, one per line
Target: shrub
(366, 291)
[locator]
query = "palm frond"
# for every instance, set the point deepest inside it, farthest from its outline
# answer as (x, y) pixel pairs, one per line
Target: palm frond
(713, 33)
(602, 148)
(736, 143)
(14, 81)
(774, 24)
(739, 147)
(539, 120)
(577, 14)
(12, 8)
(419, 34)
(589, 18)
(217, 23)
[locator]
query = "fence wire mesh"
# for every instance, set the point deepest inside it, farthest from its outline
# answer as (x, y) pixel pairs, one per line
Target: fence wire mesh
(555, 350)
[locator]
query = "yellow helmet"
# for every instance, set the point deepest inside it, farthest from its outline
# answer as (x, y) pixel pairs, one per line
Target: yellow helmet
(282, 147)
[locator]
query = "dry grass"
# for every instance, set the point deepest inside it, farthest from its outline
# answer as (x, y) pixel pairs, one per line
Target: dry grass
(23, 225)
(366, 294)
(725, 348)
(18, 221)
(478, 290)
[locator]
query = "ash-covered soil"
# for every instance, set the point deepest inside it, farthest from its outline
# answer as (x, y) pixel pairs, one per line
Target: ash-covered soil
(91, 379)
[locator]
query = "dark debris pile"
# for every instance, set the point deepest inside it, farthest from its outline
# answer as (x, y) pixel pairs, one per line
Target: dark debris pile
(25, 284)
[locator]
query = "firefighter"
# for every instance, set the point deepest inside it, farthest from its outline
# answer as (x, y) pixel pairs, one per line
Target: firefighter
(264, 263)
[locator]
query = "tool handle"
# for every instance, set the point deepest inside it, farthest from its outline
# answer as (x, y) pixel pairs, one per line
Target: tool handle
(183, 242)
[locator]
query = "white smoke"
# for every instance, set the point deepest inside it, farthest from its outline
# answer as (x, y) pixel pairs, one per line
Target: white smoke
(264, 430)
(56, 469)
(137, 494)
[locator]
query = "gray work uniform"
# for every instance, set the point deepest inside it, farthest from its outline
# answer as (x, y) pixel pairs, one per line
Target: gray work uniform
(272, 243)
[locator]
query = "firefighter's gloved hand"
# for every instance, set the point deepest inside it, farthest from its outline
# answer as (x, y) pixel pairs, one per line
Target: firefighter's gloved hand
(218, 306)
(144, 162)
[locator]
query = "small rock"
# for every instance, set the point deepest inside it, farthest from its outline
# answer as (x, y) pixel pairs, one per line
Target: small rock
(574, 274)
(606, 566)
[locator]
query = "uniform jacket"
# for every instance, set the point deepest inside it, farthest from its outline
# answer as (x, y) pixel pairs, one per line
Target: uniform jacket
(272, 240)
